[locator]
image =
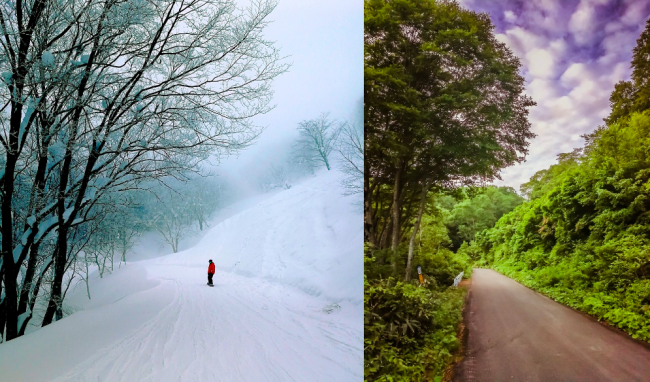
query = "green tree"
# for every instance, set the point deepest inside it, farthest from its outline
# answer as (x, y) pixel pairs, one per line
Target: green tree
(480, 212)
(634, 95)
(444, 105)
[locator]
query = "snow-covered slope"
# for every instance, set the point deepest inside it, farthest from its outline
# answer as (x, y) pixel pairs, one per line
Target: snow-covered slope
(308, 236)
(286, 304)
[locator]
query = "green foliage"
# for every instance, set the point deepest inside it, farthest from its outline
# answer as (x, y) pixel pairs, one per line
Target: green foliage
(479, 212)
(584, 238)
(633, 96)
(409, 330)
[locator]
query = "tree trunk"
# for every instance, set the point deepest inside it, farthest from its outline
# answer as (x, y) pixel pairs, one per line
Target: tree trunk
(384, 237)
(3, 312)
(416, 227)
(397, 210)
(368, 226)
(27, 282)
(54, 305)
(87, 281)
(32, 301)
(11, 293)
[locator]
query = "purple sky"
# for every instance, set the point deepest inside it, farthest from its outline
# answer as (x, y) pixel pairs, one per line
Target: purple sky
(572, 53)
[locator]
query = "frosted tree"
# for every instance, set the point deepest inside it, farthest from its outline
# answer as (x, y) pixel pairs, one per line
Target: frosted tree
(203, 196)
(276, 175)
(103, 96)
(351, 160)
(280, 176)
(172, 221)
(317, 139)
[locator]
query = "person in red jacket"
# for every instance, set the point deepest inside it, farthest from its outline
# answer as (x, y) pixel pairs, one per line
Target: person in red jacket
(210, 272)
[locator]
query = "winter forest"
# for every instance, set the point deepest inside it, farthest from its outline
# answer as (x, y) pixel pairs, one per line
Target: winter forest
(117, 119)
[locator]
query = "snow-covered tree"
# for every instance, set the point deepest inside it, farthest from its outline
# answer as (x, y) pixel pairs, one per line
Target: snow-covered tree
(103, 96)
(317, 139)
(350, 146)
(203, 195)
(172, 220)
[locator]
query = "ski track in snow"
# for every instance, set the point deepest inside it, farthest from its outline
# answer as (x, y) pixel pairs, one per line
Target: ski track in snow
(240, 330)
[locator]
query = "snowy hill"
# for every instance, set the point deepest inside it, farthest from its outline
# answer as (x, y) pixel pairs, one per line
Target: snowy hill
(287, 304)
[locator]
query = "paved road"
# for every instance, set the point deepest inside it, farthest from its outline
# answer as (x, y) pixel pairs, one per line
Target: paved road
(516, 334)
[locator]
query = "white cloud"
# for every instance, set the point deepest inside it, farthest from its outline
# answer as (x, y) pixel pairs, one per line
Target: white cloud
(571, 58)
(558, 47)
(582, 23)
(586, 91)
(521, 41)
(634, 13)
(574, 74)
(613, 47)
(542, 91)
(541, 63)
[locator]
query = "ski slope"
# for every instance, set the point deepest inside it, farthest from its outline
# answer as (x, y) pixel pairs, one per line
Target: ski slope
(286, 305)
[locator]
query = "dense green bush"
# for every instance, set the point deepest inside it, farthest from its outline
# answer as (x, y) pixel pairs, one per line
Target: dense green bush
(410, 331)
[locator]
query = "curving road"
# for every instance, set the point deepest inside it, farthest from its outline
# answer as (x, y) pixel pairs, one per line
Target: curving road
(516, 334)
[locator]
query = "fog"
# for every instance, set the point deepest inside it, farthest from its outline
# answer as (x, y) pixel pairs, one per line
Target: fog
(323, 41)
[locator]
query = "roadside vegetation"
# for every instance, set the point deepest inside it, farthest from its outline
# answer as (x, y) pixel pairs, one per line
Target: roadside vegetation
(583, 237)
(412, 330)
(444, 111)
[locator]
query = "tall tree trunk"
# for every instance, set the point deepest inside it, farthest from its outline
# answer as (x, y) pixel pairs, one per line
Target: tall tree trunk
(416, 227)
(15, 87)
(397, 208)
(368, 226)
(29, 278)
(36, 198)
(3, 312)
(385, 236)
(54, 305)
(32, 301)
(11, 293)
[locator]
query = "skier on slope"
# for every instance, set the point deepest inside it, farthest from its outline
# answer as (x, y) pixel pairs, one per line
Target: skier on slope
(210, 273)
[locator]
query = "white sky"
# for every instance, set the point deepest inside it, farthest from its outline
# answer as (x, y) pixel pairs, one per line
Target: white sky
(324, 40)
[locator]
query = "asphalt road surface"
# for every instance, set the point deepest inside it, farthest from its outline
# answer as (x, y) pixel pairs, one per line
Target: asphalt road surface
(516, 334)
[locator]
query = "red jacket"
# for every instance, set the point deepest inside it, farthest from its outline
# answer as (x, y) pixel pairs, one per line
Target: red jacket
(211, 268)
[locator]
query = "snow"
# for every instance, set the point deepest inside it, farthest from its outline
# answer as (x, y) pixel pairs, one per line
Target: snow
(26, 234)
(67, 213)
(57, 150)
(6, 76)
(17, 251)
(287, 303)
(44, 226)
(47, 58)
(31, 107)
(22, 317)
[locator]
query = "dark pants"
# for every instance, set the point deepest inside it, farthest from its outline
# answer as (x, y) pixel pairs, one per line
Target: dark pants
(210, 278)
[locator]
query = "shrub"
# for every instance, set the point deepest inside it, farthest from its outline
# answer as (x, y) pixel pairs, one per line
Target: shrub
(410, 330)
